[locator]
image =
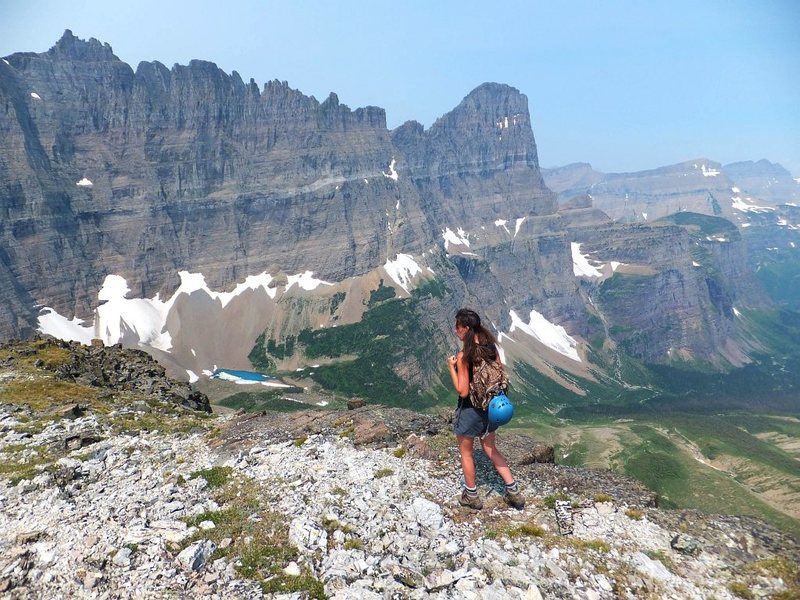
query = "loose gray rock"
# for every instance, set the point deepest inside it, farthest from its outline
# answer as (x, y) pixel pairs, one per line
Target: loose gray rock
(685, 544)
(193, 557)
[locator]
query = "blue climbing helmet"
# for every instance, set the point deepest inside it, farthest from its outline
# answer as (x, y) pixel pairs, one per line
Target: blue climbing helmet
(500, 410)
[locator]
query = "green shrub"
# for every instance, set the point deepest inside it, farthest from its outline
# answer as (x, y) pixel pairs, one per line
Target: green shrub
(215, 476)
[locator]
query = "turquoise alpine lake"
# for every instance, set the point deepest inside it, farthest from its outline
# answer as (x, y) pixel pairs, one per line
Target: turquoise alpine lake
(247, 375)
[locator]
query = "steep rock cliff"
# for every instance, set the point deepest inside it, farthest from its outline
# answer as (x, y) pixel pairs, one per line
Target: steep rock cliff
(145, 174)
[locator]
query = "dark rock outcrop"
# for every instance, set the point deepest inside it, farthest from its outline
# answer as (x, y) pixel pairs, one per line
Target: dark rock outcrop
(118, 369)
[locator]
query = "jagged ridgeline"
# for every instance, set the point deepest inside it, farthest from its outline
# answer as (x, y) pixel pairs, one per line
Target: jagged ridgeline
(219, 224)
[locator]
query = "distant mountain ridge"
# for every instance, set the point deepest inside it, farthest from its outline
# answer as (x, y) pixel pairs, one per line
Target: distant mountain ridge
(226, 214)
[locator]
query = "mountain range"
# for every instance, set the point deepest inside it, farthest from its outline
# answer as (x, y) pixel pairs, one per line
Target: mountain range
(217, 223)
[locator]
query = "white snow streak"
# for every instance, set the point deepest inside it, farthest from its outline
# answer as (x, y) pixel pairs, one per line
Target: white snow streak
(709, 172)
(116, 316)
(252, 282)
(35, 95)
(551, 335)
(85, 183)
(402, 270)
(306, 281)
(519, 224)
(581, 266)
(457, 239)
(743, 206)
(502, 223)
(392, 174)
(62, 328)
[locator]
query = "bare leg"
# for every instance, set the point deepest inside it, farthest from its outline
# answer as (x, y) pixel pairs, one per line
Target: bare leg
(465, 444)
(498, 460)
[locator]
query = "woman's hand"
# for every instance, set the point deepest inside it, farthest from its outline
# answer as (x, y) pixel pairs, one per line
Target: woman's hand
(458, 373)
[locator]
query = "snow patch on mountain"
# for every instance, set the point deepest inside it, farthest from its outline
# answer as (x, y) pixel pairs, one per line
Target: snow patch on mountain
(551, 335)
(743, 205)
(306, 281)
(71, 330)
(403, 270)
(117, 316)
(580, 263)
(457, 238)
(392, 174)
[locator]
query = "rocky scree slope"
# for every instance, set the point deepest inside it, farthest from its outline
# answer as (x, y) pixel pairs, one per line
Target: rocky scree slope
(354, 504)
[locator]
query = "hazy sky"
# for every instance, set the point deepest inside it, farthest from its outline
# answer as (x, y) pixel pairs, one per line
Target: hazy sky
(625, 86)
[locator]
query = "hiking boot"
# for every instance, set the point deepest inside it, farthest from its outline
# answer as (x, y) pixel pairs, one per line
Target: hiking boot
(473, 502)
(515, 500)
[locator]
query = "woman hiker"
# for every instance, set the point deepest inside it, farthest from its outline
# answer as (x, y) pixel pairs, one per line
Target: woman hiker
(471, 422)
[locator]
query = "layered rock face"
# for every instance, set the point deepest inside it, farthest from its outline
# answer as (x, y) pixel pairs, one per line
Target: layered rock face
(764, 179)
(107, 170)
(696, 186)
(150, 173)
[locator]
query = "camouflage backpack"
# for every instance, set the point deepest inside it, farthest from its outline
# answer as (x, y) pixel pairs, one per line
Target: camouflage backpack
(488, 380)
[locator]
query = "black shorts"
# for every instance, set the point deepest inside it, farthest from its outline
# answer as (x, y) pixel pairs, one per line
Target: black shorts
(471, 421)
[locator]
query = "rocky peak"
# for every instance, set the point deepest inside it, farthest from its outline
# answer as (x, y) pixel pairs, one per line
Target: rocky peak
(749, 168)
(70, 47)
(493, 125)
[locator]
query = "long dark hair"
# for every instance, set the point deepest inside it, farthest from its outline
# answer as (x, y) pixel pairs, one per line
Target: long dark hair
(482, 348)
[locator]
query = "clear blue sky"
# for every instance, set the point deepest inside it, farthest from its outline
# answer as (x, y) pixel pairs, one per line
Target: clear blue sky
(625, 86)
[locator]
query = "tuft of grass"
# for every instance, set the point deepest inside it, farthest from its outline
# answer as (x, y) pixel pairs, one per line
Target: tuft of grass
(354, 544)
(347, 432)
(661, 557)
(25, 354)
(260, 548)
(16, 472)
(43, 393)
(330, 525)
(742, 590)
(300, 441)
(216, 477)
(513, 530)
(399, 452)
(596, 545)
(286, 584)
(526, 530)
(603, 498)
(550, 501)
(780, 568)
(634, 513)
(383, 473)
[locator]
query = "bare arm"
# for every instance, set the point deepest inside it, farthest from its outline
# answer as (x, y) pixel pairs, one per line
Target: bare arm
(459, 374)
